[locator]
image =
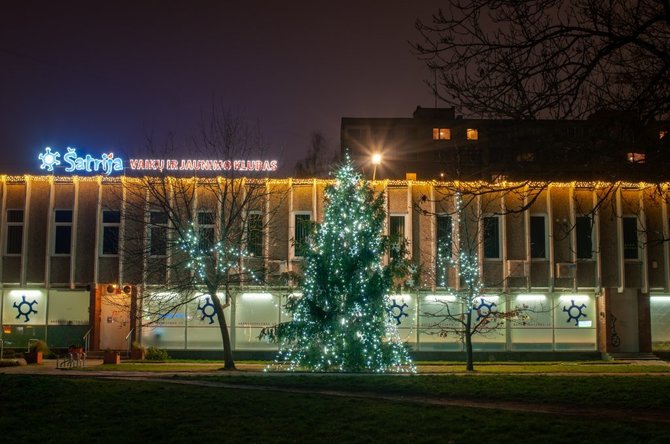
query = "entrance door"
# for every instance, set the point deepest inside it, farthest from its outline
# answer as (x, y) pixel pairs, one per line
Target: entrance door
(624, 309)
(114, 320)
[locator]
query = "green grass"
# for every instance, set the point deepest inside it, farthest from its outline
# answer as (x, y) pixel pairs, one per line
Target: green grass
(56, 409)
(638, 392)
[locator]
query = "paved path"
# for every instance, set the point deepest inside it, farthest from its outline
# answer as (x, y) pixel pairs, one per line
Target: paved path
(49, 369)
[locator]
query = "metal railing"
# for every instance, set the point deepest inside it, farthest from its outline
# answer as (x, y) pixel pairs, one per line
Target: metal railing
(87, 340)
(129, 338)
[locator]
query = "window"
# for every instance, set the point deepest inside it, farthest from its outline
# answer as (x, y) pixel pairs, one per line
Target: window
(662, 134)
(538, 237)
(492, 237)
(14, 231)
(443, 250)
(63, 234)
(301, 232)
(255, 234)
(584, 235)
(630, 245)
(206, 229)
(472, 134)
(636, 157)
(396, 234)
(111, 220)
(441, 134)
(157, 233)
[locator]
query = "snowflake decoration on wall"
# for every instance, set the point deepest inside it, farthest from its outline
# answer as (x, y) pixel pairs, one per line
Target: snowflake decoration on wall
(484, 309)
(574, 312)
(25, 309)
(397, 311)
(49, 159)
(207, 310)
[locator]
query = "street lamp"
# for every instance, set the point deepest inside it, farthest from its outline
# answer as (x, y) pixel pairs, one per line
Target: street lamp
(376, 160)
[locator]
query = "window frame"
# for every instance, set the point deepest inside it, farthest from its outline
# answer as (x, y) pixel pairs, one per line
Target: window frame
(249, 235)
(577, 249)
(149, 230)
(9, 224)
(546, 237)
(499, 234)
(294, 243)
(638, 248)
(55, 232)
(105, 225)
(438, 270)
(438, 132)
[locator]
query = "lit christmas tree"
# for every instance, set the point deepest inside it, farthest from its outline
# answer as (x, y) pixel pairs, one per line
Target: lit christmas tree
(341, 322)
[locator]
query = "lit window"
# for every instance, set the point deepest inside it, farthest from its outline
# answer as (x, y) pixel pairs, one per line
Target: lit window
(662, 134)
(472, 134)
(525, 157)
(110, 232)
(14, 231)
(636, 157)
(441, 134)
(63, 234)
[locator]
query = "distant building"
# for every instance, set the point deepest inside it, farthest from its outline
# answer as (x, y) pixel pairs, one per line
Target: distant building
(436, 143)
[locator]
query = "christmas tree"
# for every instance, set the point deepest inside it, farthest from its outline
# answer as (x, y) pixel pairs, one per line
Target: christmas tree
(341, 322)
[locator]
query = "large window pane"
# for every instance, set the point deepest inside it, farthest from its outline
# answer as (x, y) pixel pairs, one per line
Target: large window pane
(538, 237)
(584, 233)
(630, 243)
(491, 237)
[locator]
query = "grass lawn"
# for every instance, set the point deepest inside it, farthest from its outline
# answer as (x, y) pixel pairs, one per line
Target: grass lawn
(57, 409)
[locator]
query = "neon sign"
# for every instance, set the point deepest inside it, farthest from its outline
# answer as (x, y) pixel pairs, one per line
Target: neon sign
(202, 165)
(106, 163)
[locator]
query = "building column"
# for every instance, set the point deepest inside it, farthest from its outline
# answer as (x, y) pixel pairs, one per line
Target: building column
(643, 322)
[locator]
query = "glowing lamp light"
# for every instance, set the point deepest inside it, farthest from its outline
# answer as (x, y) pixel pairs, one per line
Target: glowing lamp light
(376, 160)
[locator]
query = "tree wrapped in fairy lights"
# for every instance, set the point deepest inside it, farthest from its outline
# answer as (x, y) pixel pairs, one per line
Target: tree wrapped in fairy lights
(341, 322)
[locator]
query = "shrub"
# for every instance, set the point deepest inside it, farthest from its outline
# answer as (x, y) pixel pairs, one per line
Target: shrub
(40, 346)
(156, 354)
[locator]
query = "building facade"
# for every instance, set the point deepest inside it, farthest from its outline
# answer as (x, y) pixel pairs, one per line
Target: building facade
(591, 261)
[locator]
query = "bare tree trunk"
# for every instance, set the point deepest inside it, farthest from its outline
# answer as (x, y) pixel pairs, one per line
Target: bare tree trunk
(468, 341)
(229, 363)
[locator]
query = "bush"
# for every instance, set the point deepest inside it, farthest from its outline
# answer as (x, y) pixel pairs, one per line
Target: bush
(40, 346)
(9, 363)
(156, 354)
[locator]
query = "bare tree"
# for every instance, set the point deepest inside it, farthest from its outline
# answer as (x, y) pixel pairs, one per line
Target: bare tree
(550, 58)
(195, 237)
(467, 311)
(319, 160)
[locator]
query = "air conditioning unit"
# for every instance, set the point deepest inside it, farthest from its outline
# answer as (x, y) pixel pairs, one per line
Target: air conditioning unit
(517, 268)
(277, 267)
(566, 270)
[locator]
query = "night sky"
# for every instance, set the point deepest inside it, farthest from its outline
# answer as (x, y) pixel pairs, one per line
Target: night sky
(104, 76)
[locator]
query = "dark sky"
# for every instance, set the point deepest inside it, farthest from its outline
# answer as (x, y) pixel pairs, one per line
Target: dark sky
(102, 76)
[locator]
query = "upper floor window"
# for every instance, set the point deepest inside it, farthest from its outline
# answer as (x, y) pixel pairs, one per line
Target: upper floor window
(538, 237)
(584, 235)
(63, 232)
(111, 220)
(396, 233)
(472, 134)
(441, 134)
(491, 237)
(206, 225)
(443, 243)
(630, 242)
(14, 231)
(301, 229)
(157, 232)
(636, 157)
(255, 234)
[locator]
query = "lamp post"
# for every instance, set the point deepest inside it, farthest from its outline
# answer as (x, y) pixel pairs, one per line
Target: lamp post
(376, 160)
